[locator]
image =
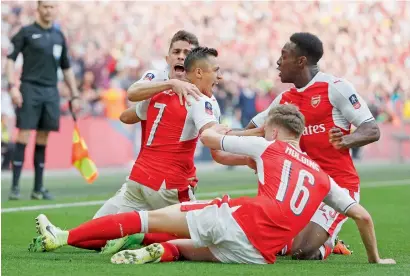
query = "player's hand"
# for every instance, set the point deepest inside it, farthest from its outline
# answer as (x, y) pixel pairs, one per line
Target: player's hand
(386, 261)
(336, 138)
(183, 89)
(260, 131)
(16, 97)
(221, 129)
(76, 105)
(252, 164)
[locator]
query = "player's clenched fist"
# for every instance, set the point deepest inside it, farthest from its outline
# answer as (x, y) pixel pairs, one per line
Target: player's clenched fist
(183, 89)
(336, 138)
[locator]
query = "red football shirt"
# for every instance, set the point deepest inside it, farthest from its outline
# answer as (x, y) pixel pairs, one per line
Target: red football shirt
(326, 102)
(291, 188)
(171, 136)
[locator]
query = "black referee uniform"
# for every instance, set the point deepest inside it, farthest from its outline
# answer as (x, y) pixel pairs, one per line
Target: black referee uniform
(44, 51)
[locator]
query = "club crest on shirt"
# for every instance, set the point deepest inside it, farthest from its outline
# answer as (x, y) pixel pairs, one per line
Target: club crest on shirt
(57, 50)
(355, 101)
(315, 101)
(208, 108)
(149, 76)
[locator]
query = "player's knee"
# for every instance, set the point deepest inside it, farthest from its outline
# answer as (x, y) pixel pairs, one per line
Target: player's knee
(23, 136)
(41, 137)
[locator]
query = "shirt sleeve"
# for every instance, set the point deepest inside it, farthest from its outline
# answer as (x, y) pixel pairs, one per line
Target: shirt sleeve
(152, 76)
(141, 109)
(344, 97)
(202, 112)
(245, 145)
(338, 198)
(65, 60)
(17, 45)
(260, 118)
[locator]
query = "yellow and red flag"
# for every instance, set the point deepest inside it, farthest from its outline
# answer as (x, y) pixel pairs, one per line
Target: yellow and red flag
(81, 159)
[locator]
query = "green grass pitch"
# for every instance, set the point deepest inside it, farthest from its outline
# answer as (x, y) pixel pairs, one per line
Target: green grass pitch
(385, 193)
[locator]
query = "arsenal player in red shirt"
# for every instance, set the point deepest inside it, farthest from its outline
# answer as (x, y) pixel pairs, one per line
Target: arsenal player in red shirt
(330, 105)
(291, 186)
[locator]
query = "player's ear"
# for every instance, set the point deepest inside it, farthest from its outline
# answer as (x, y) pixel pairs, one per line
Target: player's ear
(302, 61)
(167, 59)
(198, 73)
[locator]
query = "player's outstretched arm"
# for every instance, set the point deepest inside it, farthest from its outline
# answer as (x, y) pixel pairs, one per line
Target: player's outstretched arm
(365, 226)
(256, 131)
(340, 200)
(140, 91)
(211, 138)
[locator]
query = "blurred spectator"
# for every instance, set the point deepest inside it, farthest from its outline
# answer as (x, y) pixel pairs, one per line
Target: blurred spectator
(368, 43)
(7, 115)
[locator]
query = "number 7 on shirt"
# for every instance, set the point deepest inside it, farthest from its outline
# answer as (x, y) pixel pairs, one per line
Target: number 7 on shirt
(161, 108)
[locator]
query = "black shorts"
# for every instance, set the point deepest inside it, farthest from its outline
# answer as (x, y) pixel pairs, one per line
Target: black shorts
(41, 108)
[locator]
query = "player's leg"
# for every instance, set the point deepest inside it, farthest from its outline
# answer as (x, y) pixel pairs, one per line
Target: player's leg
(211, 226)
(312, 244)
(169, 219)
(27, 119)
(188, 251)
(317, 240)
(49, 121)
(165, 252)
(129, 198)
(163, 198)
(153, 200)
(307, 243)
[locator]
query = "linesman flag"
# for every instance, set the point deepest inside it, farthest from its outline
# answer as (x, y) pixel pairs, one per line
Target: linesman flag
(80, 157)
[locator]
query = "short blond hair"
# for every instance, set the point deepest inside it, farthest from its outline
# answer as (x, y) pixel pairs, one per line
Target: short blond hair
(287, 116)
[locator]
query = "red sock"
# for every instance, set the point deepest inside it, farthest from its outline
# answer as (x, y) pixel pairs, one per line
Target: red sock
(91, 245)
(151, 238)
(106, 228)
(171, 252)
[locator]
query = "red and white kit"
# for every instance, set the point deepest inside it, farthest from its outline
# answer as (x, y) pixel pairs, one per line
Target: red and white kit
(164, 172)
(326, 102)
(254, 230)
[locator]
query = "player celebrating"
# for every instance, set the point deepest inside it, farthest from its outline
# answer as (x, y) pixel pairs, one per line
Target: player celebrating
(151, 83)
(330, 105)
(244, 230)
(164, 173)
(154, 82)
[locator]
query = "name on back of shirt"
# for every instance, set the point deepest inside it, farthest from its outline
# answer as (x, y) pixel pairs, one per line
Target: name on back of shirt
(298, 156)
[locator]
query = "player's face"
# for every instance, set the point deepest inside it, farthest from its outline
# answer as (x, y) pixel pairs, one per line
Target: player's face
(288, 63)
(176, 57)
(210, 74)
(46, 11)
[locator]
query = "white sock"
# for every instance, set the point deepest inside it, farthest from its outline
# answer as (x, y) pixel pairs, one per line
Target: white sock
(144, 221)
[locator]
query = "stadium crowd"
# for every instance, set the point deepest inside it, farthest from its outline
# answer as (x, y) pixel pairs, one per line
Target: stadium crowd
(112, 43)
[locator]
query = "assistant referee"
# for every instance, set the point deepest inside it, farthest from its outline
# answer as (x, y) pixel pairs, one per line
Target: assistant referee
(37, 99)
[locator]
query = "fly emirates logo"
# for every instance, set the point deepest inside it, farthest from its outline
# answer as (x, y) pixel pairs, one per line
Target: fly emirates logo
(315, 129)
